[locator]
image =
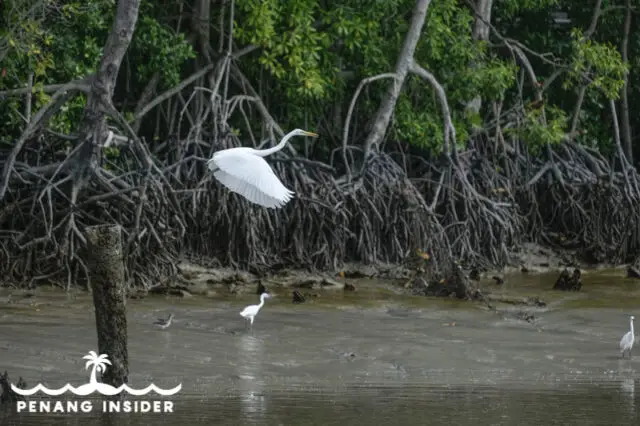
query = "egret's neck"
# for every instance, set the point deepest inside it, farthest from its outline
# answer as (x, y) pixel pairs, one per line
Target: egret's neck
(631, 325)
(283, 142)
(262, 297)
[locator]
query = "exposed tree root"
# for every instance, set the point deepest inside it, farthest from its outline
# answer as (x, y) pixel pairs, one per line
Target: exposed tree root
(474, 206)
(168, 204)
(380, 217)
(47, 242)
(582, 203)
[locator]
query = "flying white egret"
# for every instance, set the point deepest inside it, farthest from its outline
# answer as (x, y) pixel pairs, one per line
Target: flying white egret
(164, 323)
(250, 312)
(626, 343)
(245, 172)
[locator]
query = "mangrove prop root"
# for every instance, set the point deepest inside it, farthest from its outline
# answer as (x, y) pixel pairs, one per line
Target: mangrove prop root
(475, 206)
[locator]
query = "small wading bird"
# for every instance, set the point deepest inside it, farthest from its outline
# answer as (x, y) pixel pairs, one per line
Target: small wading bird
(245, 172)
(250, 312)
(164, 323)
(626, 343)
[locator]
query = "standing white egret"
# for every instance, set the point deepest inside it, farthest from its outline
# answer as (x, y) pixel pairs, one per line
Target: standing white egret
(626, 343)
(250, 312)
(245, 172)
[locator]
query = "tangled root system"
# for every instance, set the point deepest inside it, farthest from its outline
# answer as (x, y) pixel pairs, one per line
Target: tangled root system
(475, 206)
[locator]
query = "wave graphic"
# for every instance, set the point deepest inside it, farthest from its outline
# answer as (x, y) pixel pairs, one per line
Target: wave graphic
(101, 388)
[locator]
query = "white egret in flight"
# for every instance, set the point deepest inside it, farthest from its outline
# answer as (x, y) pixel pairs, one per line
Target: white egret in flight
(250, 312)
(626, 343)
(245, 172)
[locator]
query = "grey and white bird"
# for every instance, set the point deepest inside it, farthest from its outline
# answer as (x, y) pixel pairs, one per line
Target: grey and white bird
(626, 343)
(163, 323)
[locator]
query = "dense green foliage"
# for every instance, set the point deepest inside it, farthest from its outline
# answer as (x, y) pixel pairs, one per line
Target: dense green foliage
(311, 54)
(62, 41)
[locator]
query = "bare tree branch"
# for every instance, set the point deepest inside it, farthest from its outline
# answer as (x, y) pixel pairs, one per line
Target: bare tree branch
(449, 130)
(27, 107)
(345, 133)
(171, 92)
(597, 12)
(385, 111)
(625, 119)
(78, 85)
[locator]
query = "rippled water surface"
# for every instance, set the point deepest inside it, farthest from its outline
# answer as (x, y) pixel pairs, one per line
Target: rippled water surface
(346, 360)
(579, 404)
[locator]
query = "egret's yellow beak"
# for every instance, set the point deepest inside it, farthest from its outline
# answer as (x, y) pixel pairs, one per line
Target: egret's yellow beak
(313, 135)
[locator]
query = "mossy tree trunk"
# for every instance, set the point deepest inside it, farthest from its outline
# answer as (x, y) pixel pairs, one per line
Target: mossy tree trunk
(93, 129)
(109, 298)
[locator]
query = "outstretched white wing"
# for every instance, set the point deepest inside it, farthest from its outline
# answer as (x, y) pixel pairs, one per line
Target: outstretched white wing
(250, 176)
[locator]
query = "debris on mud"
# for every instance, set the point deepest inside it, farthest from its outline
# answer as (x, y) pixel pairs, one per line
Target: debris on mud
(526, 316)
(633, 272)
(474, 274)
(534, 258)
(298, 297)
(569, 282)
(312, 283)
(167, 290)
(349, 287)
(515, 300)
(454, 284)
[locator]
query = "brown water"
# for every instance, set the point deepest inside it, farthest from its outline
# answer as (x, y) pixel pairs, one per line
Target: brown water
(372, 357)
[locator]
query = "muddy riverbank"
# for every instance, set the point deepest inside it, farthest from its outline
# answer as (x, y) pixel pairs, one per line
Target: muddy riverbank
(210, 281)
(331, 357)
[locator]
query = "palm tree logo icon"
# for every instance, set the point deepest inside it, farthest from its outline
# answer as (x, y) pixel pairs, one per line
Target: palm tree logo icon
(99, 364)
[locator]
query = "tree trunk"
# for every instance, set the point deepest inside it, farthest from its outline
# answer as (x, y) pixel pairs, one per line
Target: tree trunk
(385, 111)
(108, 285)
(575, 120)
(481, 32)
(200, 24)
(93, 127)
(7, 395)
(481, 25)
(624, 113)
